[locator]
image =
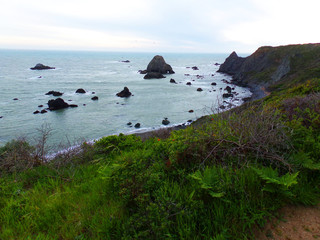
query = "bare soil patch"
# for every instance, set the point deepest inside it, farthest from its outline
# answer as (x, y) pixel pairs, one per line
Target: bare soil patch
(294, 222)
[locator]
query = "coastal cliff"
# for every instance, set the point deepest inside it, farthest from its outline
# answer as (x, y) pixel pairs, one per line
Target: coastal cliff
(270, 67)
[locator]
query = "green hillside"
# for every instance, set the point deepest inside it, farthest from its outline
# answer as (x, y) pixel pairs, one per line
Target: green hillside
(217, 179)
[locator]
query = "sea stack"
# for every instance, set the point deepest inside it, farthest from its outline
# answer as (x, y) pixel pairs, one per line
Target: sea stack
(124, 93)
(157, 67)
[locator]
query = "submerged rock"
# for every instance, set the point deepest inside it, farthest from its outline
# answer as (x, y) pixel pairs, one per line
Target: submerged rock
(124, 93)
(40, 66)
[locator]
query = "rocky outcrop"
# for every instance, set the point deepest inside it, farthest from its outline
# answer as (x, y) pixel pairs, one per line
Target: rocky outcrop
(268, 66)
(124, 93)
(232, 64)
(56, 104)
(40, 66)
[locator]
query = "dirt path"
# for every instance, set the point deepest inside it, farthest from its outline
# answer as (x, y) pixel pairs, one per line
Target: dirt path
(295, 222)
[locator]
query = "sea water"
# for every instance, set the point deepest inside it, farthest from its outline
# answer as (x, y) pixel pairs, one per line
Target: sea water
(104, 74)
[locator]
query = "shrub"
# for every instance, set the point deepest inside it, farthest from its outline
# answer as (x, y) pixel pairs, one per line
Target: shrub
(16, 156)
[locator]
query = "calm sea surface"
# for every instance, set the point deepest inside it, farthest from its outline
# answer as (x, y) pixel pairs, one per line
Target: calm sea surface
(104, 74)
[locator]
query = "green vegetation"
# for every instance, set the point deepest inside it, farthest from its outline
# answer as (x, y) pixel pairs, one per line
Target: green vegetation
(214, 180)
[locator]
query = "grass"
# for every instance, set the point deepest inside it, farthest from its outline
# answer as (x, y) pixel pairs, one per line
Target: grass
(214, 180)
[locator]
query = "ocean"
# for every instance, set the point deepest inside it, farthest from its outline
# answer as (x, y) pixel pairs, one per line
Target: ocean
(104, 74)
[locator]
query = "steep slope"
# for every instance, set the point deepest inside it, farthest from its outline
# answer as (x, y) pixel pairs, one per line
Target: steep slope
(274, 67)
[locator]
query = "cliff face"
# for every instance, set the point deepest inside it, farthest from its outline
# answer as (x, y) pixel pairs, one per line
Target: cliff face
(270, 66)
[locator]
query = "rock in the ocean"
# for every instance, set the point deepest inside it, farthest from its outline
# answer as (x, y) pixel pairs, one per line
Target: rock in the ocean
(40, 106)
(228, 89)
(43, 111)
(137, 125)
(95, 98)
(73, 105)
(165, 121)
(227, 95)
(199, 89)
(36, 112)
(151, 75)
(142, 71)
(213, 84)
(173, 81)
(40, 66)
(54, 93)
(158, 64)
(191, 111)
(55, 104)
(124, 93)
(80, 90)
(125, 61)
(129, 123)
(15, 99)
(195, 68)
(189, 83)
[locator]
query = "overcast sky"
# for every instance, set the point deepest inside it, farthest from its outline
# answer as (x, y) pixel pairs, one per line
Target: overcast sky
(157, 25)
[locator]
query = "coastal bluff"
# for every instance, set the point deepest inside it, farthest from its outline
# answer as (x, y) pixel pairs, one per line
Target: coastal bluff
(268, 67)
